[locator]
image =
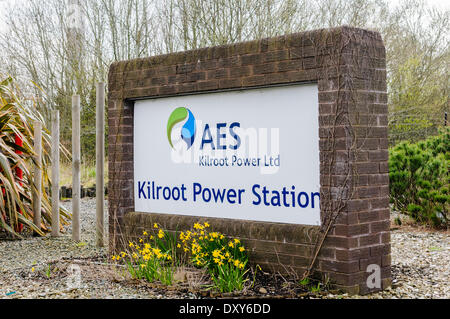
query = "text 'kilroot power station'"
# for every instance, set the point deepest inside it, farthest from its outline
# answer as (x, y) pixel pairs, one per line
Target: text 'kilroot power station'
(259, 195)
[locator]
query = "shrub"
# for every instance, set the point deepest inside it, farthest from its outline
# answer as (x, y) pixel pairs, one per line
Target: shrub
(16, 120)
(419, 179)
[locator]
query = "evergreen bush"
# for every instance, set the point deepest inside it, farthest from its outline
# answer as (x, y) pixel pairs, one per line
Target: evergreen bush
(419, 179)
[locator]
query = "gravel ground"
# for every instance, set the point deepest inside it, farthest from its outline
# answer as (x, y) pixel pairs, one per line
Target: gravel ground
(42, 250)
(48, 267)
(58, 268)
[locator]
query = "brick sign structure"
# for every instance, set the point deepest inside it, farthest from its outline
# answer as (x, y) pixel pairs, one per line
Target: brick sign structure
(351, 247)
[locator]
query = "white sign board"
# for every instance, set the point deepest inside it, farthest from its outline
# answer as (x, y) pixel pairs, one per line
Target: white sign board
(250, 154)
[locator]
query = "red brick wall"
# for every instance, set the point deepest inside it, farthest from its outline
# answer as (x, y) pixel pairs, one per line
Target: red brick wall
(349, 66)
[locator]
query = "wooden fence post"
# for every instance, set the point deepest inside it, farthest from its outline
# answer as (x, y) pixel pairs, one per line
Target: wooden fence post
(37, 174)
(55, 174)
(100, 157)
(76, 163)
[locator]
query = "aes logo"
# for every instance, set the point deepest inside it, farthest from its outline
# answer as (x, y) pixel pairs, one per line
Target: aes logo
(215, 139)
(185, 117)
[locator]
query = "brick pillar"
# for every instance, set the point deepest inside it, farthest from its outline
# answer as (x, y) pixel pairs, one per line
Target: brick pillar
(120, 169)
(354, 155)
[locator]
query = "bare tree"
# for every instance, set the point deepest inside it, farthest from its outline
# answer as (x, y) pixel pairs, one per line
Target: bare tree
(40, 46)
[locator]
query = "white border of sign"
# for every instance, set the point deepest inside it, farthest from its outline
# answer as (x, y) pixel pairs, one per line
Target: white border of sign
(278, 123)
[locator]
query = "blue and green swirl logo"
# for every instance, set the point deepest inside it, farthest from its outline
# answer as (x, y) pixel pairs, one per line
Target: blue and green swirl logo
(188, 130)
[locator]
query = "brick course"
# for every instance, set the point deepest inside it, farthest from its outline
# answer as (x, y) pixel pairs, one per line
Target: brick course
(348, 64)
